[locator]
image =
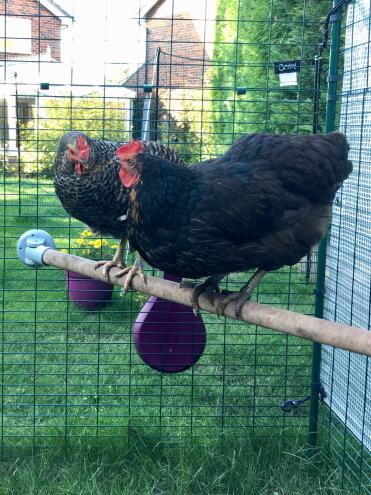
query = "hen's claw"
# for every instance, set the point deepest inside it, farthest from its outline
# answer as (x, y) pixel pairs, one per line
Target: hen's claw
(242, 296)
(210, 287)
(239, 297)
(116, 260)
(188, 284)
(107, 265)
(130, 272)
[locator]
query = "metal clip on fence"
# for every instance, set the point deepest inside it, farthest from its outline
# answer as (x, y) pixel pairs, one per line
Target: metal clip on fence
(292, 404)
(36, 248)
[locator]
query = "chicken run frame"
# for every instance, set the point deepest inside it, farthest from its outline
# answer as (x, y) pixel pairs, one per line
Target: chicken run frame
(70, 375)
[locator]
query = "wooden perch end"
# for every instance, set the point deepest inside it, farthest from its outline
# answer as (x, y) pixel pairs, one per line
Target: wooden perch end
(308, 327)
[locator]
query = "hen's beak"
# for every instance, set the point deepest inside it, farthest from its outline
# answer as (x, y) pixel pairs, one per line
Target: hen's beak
(78, 153)
(80, 168)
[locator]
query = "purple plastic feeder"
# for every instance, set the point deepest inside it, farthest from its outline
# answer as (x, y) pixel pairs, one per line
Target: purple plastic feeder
(168, 336)
(87, 292)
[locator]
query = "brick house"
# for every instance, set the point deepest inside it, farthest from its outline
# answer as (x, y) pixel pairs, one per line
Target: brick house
(30, 37)
(182, 34)
(178, 33)
(29, 27)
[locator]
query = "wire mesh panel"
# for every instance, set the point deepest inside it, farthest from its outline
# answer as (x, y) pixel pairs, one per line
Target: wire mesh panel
(71, 374)
(346, 377)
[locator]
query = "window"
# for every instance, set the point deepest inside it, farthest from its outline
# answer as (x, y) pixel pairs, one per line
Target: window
(15, 35)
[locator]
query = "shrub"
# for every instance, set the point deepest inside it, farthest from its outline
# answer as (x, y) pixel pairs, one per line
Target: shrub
(98, 117)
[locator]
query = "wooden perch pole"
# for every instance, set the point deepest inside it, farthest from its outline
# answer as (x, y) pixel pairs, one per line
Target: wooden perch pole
(307, 327)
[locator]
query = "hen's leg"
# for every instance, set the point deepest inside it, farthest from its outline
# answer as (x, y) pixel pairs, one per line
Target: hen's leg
(131, 271)
(243, 295)
(210, 286)
(117, 260)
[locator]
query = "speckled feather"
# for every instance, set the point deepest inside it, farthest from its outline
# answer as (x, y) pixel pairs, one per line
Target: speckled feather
(97, 197)
(263, 204)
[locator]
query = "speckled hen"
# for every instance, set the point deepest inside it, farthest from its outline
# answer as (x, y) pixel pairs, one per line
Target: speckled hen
(88, 186)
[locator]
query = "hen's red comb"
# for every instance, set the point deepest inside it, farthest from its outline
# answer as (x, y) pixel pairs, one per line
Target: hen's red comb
(83, 147)
(129, 150)
(79, 152)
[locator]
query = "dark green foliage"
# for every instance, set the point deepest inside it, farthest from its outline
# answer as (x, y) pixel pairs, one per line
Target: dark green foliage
(254, 36)
(99, 118)
(177, 131)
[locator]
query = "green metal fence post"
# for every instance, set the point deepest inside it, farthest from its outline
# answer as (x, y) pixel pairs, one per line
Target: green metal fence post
(321, 267)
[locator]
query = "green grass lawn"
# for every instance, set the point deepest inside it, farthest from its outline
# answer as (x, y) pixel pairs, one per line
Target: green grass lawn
(98, 420)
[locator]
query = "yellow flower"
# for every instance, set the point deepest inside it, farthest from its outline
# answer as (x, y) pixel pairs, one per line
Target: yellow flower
(89, 246)
(64, 251)
(86, 233)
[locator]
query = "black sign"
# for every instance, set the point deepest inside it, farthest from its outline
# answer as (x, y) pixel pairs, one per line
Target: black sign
(286, 66)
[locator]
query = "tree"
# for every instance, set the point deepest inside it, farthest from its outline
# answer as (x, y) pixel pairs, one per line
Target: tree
(255, 35)
(98, 117)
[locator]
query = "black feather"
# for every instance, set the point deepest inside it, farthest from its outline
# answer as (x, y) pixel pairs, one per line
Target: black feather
(263, 204)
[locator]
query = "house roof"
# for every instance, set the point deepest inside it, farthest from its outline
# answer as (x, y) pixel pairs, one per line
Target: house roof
(57, 10)
(148, 6)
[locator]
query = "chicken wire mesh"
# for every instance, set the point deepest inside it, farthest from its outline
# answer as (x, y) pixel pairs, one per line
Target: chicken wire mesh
(73, 374)
(345, 376)
(70, 375)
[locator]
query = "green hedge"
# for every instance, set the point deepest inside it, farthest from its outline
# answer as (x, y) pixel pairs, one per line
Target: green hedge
(98, 117)
(251, 38)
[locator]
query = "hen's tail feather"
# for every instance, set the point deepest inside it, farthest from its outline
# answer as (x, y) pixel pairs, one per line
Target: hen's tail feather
(340, 149)
(313, 165)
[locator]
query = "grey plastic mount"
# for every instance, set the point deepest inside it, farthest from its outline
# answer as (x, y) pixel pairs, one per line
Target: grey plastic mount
(32, 245)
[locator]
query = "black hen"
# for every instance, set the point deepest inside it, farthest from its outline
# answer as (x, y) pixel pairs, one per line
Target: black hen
(88, 186)
(262, 205)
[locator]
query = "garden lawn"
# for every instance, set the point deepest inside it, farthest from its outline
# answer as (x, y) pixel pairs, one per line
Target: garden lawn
(98, 420)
